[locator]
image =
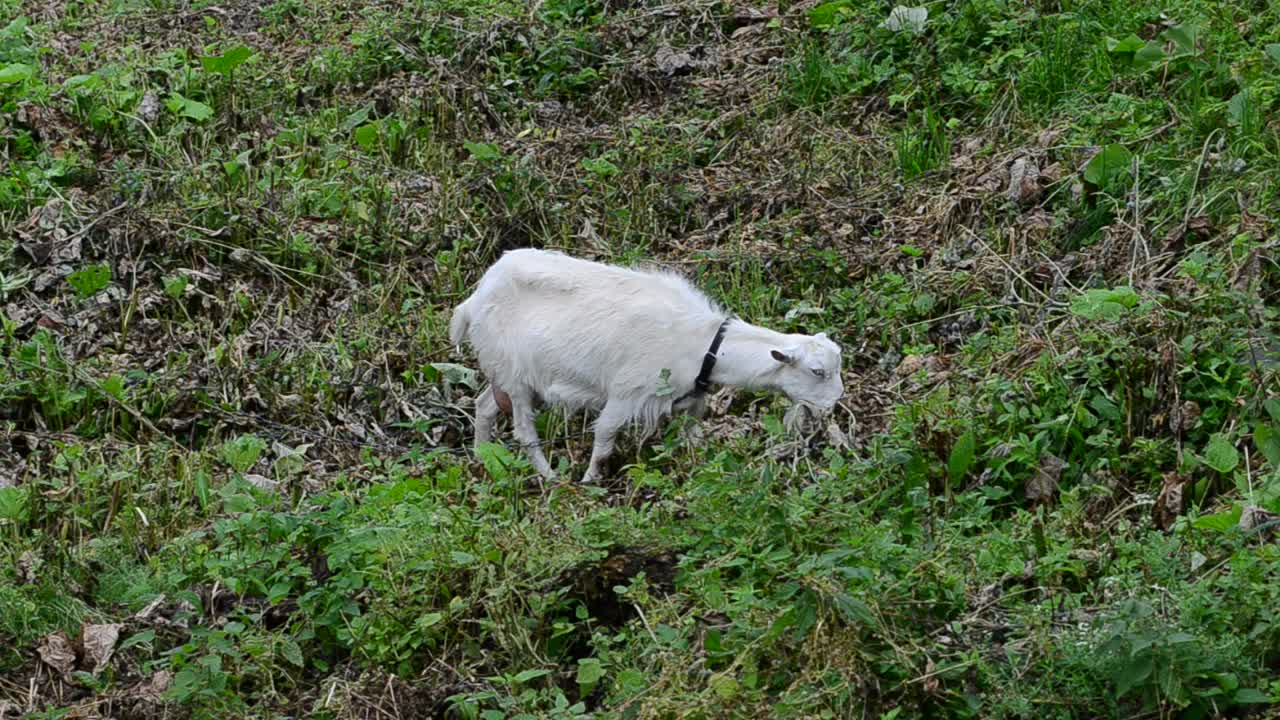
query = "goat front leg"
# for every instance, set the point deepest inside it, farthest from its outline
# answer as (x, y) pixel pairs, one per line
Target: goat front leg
(609, 422)
(526, 431)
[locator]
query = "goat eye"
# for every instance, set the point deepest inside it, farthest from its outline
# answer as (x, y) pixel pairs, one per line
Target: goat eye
(819, 372)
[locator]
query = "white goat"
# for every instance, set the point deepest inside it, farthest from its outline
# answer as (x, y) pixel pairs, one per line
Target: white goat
(630, 344)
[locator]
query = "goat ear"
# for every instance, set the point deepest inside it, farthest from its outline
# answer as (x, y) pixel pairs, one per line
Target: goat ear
(782, 357)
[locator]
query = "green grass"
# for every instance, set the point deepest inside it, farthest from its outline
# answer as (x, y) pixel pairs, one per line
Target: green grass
(231, 422)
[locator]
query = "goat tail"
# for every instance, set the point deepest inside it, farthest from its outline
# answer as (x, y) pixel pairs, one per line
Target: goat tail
(460, 323)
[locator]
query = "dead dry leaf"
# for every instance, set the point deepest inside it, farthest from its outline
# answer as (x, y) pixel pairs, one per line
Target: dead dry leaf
(1024, 181)
(149, 108)
(673, 62)
(150, 609)
(153, 690)
(909, 19)
(1043, 486)
(1255, 518)
(99, 642)
(1169, 502)
(836, 437)
(28, 564)
(910, 365)
(261, 482)
(719, 403)
(58, 653)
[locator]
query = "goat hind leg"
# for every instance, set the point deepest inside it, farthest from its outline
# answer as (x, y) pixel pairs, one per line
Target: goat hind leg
(526, 431)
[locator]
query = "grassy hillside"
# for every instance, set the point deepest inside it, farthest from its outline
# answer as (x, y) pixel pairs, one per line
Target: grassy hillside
(235, 466)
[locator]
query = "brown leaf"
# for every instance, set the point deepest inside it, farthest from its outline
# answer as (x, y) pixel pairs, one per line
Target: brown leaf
(1197, 229)
(1169, 502)
(1024, 181)
(1190, 413)
(149, 108)
(1044, 484)
(836, 437)
(931, 683)
(910, 365)
(673, 62)
(57, 652)
(1255, 517)
(28, 563)
(153, 689)
(719, 403)
(150, 609)
(1048, 137)
(99, 642)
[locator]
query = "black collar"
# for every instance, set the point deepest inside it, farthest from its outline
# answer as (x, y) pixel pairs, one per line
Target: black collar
(703, 382)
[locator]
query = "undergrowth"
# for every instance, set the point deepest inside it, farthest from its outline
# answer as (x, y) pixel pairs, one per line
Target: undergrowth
(236, 474)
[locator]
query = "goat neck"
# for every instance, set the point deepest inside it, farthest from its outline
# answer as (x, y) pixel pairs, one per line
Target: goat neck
(744, 360)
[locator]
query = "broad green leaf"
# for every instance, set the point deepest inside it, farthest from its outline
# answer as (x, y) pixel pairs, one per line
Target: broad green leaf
(91, 280)
(1104, 303)
(961, 458)
(226, 62)
(483, 152)
(725, 686)
(855, 610)
(1267, 438)
(113, 386)
(186, 107)
(238, 503)
(1129, 45)
(1252, 696)
(1105, 407)
(527, 675)
(1273, 52)
(146, 636)
(462, 558)
(16, 73)
(367, 135)
(13, 504)
(355, 119)
(496, 458)
(82, 81)
(1134, 674)
(589, 671)
(827, 14)
(1184, 36)
(1111, 163)
(429, 620)
(1272, 406)
(292, 652)
(1151, 54)
(1240, 108)
(600, 166)
(1222, 521)
(1220, 454)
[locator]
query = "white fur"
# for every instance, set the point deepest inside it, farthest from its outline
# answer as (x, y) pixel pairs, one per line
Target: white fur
(588, 336)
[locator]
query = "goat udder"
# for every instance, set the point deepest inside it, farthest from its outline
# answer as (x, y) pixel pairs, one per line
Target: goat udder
(504, 400)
